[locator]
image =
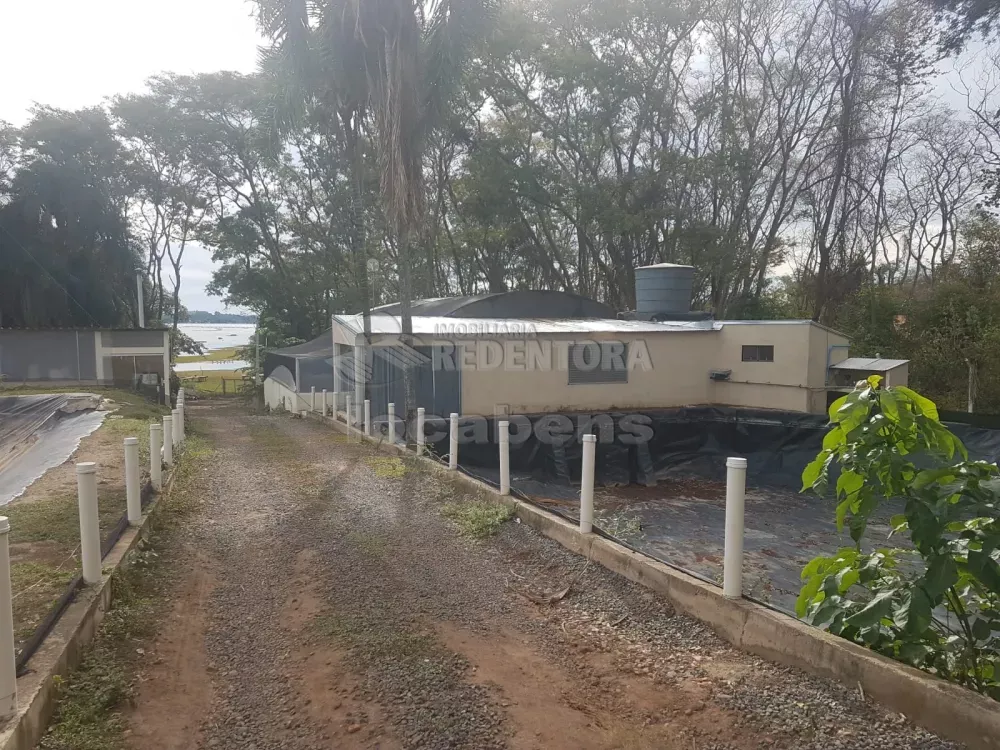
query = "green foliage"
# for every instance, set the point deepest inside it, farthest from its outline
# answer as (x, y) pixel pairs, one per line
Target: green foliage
(65, 254)
(935, 605)
(943, 326)
(479, 519)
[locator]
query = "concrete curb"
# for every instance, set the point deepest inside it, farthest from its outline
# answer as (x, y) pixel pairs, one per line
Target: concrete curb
(63, 648)
(951, 711)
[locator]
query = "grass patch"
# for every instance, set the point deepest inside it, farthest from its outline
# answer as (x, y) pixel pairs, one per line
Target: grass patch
(387, 467)
(210, 383)
(89, 710)
(57, 519)
(124, 427)
(36, 585)
(215, 355)
(478, 519)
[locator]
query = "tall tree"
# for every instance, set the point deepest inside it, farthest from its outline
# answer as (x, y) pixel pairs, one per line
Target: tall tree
(65, 254)
(410, 55)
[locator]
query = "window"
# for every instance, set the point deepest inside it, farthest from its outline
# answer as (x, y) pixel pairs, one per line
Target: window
(594, 362)
(756, 353)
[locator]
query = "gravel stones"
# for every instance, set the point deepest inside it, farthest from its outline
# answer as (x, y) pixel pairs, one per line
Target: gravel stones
(295, 513)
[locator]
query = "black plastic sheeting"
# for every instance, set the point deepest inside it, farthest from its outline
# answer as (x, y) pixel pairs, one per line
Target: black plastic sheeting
(668, 491)
(695, 440)
(39, 432)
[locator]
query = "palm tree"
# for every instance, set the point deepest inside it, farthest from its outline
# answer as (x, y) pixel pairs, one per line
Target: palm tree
(392, 63)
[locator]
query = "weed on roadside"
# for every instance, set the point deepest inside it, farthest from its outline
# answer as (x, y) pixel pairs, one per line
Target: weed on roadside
(91, 700)
(88, 714)
(387, 467)
(478, 519)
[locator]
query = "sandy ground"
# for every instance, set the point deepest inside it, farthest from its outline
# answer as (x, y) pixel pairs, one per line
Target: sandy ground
(322, 601)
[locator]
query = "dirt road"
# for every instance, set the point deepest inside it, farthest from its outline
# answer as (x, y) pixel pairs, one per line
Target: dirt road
(326, 602)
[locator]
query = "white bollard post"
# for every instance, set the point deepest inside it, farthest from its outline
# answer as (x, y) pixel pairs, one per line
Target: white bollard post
(732, 564)
(133, 499)
(180, 421)
(348, 414)
(392, 424)
(90, 526)
(336, 404)
(453, 443)
(8, 665)
(587, 484)
(504, 428)
(420, 431)
(368, 417)
(156, 456)
(168, 440)
(176, 414)
(323, 402)
(312, 398)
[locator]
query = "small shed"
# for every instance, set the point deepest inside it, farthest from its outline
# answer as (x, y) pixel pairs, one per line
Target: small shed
(85, 356)
(846, 373)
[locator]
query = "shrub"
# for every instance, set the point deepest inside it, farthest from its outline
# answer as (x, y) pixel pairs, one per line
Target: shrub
(934, 604)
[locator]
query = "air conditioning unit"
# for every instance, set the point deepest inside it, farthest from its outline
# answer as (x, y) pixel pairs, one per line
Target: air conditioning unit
(719, 374)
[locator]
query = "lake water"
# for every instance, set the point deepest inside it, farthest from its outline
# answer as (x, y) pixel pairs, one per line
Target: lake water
(219, 335)
(214, 336)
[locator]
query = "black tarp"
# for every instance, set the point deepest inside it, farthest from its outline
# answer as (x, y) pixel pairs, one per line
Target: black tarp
(670, 490)
(692, 440)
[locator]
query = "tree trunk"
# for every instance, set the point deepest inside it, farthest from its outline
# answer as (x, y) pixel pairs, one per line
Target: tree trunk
(406, 319)
(357, 237)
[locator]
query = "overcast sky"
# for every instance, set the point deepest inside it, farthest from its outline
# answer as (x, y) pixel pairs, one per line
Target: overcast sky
(75, 53)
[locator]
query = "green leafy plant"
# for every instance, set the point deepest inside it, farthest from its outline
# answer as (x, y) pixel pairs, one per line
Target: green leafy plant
(934, 604)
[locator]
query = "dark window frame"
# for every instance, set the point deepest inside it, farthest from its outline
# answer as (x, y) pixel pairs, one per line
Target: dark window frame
(758, 352)
(602, 374)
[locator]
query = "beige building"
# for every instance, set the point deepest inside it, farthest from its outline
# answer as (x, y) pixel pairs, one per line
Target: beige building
(536, 366)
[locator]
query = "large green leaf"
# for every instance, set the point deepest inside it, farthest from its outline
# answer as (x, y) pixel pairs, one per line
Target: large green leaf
(981, 629)
(942, 573)
(889, 405)
(834, 438)
(849, 483)
(923, 405)
(815, 471)
(920, 611)
(842, 507)
(836, 406)
(807, 595)
(873, 612)
(914, 652)
(985, 568)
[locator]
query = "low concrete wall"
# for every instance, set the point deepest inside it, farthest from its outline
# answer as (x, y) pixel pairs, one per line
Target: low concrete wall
(946, 709)
(63, 648)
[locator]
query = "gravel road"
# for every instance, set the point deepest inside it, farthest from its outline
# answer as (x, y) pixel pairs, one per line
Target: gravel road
(325, 602)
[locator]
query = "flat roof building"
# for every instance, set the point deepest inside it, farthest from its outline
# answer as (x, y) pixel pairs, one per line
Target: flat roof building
(537, 366)
(85, 356)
